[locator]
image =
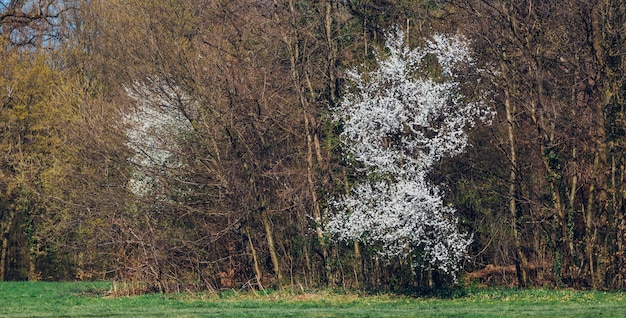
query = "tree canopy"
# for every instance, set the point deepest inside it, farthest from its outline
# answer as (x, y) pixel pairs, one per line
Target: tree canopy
(264, 144)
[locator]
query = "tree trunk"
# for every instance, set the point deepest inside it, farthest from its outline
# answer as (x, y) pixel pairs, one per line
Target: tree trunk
(299, 83)
(358, 265)
(255, 260)
(621, 232)
(3, 257)
(570, 221)
(317, 213)
(590, 233)
(328, 23)
(5, 233)
(520, 259)
(272, 247)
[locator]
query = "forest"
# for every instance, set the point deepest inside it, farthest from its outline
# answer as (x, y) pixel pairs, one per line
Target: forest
(366, 144)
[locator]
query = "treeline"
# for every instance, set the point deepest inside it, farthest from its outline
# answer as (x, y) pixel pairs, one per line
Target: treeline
(190, 144)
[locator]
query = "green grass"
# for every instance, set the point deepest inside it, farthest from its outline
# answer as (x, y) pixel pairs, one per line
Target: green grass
(40, 299)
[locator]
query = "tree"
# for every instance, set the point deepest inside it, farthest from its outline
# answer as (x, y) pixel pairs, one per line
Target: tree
(398, 121)
(63, 153)
(33, 23)
(556, 90)
(243, 176)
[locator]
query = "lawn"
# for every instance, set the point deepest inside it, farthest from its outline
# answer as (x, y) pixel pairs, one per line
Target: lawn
(41, 299)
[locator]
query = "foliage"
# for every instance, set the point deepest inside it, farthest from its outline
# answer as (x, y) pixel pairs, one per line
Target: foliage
(35, 122)
(396, 126)
(54, 168)
(187, 144)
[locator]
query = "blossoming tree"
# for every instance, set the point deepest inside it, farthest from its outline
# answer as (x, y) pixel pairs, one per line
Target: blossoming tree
(398, 121)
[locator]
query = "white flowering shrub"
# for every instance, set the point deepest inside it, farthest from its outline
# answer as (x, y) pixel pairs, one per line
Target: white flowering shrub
(153, 128)
(397, 123)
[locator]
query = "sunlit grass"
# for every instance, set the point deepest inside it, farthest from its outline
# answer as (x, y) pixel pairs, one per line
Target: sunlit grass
(40, 299)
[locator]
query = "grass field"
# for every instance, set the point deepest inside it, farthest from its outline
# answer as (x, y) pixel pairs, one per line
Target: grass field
(40, 299)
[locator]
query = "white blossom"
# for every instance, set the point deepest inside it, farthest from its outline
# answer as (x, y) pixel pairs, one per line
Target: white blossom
(397, 123)
(154, 125)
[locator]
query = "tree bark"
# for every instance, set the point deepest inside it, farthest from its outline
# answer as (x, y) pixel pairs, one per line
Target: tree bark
(358, 265)
(3, 257)
(4, 252)
(255, 260)
(328, 22)
(272, 247)
(590, 233)
(520, 259)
